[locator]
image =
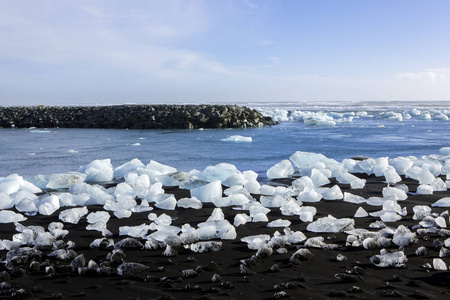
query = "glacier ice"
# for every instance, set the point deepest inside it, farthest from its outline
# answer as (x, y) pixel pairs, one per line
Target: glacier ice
(443, 202)
(127, 167)
(193, 203)
(99, 170)
(279, 223)
(208, 192)
(218, 172)
(237, 139)
(389, 259)
(333, 193)
(73, 215)
(283, 169)
(331, 224)
(8, 216)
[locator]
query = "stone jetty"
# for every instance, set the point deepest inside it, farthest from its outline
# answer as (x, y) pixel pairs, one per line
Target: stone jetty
(133, 116)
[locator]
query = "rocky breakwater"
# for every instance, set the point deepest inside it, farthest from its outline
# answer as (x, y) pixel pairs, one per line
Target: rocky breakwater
(133, 116)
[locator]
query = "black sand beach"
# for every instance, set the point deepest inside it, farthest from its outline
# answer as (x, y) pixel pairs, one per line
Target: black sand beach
(236, 275)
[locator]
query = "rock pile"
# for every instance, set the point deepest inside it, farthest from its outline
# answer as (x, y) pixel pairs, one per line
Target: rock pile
(133, 116)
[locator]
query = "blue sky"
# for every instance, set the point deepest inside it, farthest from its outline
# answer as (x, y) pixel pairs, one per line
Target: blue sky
(138, 51)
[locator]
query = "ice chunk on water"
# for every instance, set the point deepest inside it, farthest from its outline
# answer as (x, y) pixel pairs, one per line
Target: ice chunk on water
(282, 169)
(386, 259)
(208, 192)
(99, 170)
(348, 197)
(444, 202)
(73, 215)
(361, 213)
(8, 216)
(127, 167)
(331, 224)
(238, 139)
(190, 203)
(333, 193)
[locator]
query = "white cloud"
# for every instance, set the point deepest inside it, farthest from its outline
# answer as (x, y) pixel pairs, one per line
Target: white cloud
(427, 76)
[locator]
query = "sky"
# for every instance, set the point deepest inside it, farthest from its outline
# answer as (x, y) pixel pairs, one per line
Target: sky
(59, 52)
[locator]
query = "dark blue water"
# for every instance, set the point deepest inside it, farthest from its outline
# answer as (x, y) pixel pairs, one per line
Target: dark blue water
(29, 152)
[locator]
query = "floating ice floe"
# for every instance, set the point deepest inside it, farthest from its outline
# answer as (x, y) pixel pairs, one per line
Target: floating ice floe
(237, 139)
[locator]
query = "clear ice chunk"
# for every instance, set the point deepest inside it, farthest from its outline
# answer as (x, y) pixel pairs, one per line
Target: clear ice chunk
(330, 224)
(283, 169)
(73, 215)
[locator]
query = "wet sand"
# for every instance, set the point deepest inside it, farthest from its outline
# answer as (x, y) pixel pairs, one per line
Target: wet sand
(274, 277)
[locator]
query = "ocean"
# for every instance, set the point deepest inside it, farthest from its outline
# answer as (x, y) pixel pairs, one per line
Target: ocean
(337, 130)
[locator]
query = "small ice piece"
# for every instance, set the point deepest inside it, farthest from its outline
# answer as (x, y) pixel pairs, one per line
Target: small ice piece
(167, 202)
(403, 236)
(333, 193)
(385, 259)
(193, 203)
(164, 220)
(279, 223)
(438, 185)
(318, 178)
(6, 201)
(389, 216)
(391, 175)
(306, 159)
(439, 264)
(401, 164)
(26, 206)
(307, 213)
(237, 179)
(348, 197)
(424, 189)
(237, 139)
(134, 231)
(444, 202)
(8, 216)
(123, 213)
(290, 208)
(309, 196)
(331, 224)
(421, 211)
(376, 201)
(425, 176)
(253, 187)
(127, 167)
(218, 172)
(254, 242)
(208, 192)
(97, 193)
(358, 184)
(394, 194)
(48, 205)
(250, 175)
(241, 219)
(216, 215)
(282, 169)
(210, 246)
(99, 170)
(267, 190)
(99, 216)
(73, 215)
(361, 213)
(260, 217)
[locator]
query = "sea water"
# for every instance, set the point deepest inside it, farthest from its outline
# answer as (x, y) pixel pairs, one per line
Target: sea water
(34, 151)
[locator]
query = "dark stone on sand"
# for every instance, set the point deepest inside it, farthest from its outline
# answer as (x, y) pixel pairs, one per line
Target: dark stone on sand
(419, 295)
(133, 117)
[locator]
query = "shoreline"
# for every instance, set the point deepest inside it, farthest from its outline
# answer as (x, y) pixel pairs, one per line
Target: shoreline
(133, 117)
(240, 273)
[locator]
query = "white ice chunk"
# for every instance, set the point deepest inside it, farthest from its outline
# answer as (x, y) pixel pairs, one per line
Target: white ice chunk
(237, 139)
(73, 215)
(309, 196)
(391, 176)
(331, 224)
(190, 203)
(403, 236)
(333, 193)
(241, 219)
(254, 242)
(445, 151)
(97, 193)
(99, 216)
(267, 190)
(389, 216)
(208, 192)
(9, 187)
(438, 185)
(348, 197)
(57, 181)
(123, 213)
(99, 170)
(219, 172)
(253, 187)
(439, 264)
(26, 205)
(166, 202)
(307, 213)
(425, 176)
(237, 179)
(290, 208)
(279, 223)
(260, 217)
(68, 199)
(216, 215)
(318, 178)
(444, 202)
(250, 175)
(8, 216)
(282, 169)
(421, 211)
(394, 194)
(303, 160)
(163, 169)
(386, 259)
(127, 167)
(361, 213)
(424, 189)
(48, 205)
(6, 201)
